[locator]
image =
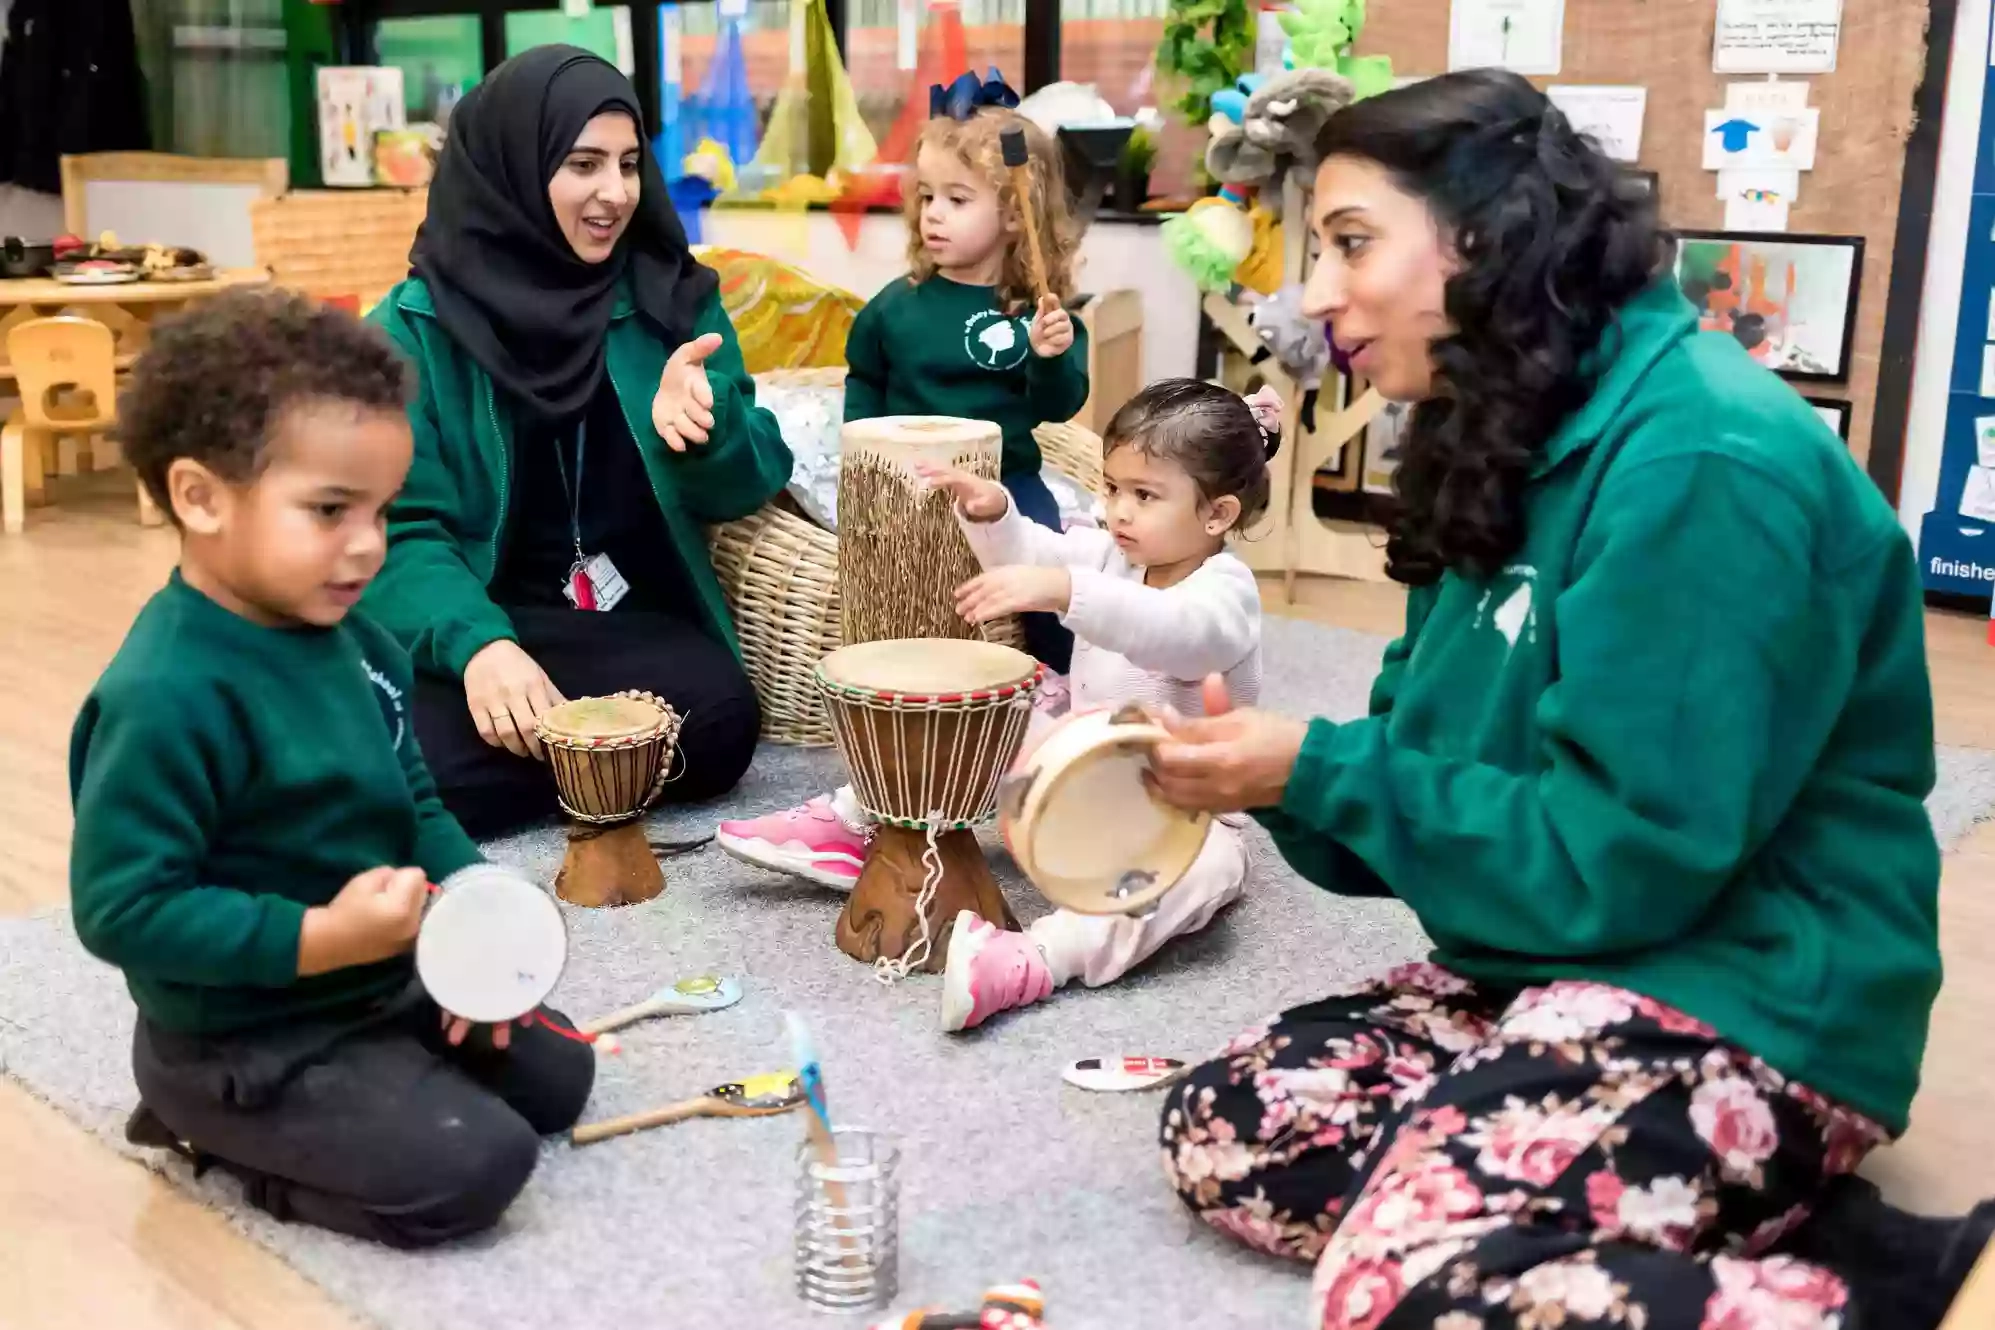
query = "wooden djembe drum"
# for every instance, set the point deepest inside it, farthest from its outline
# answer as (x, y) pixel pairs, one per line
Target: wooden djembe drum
(611, 757)
(901, 555)
(927, 727)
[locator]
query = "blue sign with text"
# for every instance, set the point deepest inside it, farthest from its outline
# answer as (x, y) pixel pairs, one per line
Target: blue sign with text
(1957, 538)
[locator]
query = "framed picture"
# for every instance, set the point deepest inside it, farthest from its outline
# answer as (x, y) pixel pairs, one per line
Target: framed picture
(1834, 412)
(1789, 299)
(1382, 440)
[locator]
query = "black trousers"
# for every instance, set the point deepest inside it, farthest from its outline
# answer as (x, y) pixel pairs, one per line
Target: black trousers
(588, 654)
(372, 1126)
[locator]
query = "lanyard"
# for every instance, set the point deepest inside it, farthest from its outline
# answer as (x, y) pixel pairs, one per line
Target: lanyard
(574, 492)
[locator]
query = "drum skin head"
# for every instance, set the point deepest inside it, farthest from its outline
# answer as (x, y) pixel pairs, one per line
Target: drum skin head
(927, 666)
(492, 945)
(600, 718)
(1083, 827)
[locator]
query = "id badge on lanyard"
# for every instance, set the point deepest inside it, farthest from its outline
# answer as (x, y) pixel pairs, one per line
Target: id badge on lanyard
(593, 581)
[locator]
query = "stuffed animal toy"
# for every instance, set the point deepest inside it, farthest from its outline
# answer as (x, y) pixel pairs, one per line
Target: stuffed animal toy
(1278, 126)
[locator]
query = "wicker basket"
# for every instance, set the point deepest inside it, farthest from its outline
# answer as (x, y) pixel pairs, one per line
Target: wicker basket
(780, 574)
(338, 242)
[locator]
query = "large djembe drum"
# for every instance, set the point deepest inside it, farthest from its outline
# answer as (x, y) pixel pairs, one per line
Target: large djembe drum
(611, 757)
(901, 555)
(927, 727)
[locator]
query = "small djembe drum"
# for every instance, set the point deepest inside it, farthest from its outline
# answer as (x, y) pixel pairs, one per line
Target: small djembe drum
(611, 757)
(1078, 817)
(928, 728)
(901, 555)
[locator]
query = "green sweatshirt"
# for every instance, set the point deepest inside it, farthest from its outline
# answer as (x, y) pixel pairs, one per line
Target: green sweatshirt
(940, 348)
(226, 776)
(1680, 744)
(445, 530)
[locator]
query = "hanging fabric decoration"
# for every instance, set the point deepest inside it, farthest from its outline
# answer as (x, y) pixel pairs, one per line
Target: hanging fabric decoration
(724, 109)
(944, 53)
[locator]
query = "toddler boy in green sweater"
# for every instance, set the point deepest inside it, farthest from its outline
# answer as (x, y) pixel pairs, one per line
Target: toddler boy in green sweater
(255, 828)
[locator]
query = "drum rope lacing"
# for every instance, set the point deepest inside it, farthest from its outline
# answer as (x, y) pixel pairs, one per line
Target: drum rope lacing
(890, 970)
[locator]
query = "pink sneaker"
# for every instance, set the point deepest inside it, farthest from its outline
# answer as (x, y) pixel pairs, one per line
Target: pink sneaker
(990, 969)
(812, 842)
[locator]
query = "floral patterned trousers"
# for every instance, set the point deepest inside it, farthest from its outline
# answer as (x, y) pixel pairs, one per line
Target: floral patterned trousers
(1569, 1156)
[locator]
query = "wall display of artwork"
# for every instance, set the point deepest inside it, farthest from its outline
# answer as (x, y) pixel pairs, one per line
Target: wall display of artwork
(1866, 120)
(1789, 299)
(1834, 412)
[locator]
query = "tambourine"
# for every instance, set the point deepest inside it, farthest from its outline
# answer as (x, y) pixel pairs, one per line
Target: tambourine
(1082, 824)
(492, 945)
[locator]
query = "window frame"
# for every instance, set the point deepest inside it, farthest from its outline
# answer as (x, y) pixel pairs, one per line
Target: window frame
(354, 24)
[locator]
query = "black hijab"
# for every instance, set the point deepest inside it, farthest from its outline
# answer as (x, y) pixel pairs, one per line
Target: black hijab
(505, 281)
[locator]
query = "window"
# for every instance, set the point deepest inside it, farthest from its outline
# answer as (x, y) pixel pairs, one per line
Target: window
(604, 30)
(1112, 44)
(438, 56)
(718, 74)
(993, 36)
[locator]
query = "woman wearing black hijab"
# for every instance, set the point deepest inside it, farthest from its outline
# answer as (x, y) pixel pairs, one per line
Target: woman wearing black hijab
(583, 410)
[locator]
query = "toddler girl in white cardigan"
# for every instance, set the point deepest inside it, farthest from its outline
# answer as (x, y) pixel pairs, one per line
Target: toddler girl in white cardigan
(1155, 604)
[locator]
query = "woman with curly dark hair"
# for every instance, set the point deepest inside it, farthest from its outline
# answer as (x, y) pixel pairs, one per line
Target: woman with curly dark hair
(1648, 764)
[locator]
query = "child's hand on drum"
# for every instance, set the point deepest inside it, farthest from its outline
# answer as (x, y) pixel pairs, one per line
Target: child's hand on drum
(375, 915)
(682, 410)
(507, 691)
(1052, 330)
(456, 1028)
(1021, 589)
(978, 499)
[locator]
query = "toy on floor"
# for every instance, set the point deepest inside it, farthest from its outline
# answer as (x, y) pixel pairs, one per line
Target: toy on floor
(926, 727)
(1123, 1073)
(1019, 1306)
(611, 757)
(492, 945)
(1083, 775)
(689, 997)
(756, 1097)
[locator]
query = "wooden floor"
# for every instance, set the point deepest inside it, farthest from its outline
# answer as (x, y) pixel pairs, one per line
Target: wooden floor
(88, 1239)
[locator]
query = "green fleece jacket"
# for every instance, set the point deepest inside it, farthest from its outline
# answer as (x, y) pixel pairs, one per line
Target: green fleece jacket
(446, 529)
(941, 348)
(1681, 743)
(227, 777)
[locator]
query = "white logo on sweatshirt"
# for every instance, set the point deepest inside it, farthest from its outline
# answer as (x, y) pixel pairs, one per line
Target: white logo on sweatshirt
(392, 705)
(995, 341)
(1516, 614)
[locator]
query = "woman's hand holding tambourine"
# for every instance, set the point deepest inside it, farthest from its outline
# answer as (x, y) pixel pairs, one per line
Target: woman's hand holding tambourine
(507, 692)
(1226, 761)
(682, 409)
(978, 499)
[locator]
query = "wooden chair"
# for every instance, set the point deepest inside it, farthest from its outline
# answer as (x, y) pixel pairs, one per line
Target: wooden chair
(55, 361)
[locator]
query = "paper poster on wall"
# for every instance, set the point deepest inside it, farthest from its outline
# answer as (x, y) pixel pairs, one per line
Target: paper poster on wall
(1770, 97)
(1525, 36)
(1612, 116)
(1987, 373)
(1776, 36)
(1735, 141)
(1758, 200)
(1984, 440)
(1977, 497)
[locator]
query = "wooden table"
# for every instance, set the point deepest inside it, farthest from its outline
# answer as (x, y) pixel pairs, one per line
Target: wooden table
(127, 308)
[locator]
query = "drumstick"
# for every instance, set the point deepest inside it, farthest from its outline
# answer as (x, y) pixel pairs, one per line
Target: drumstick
(1011, 142)
(757, 1097)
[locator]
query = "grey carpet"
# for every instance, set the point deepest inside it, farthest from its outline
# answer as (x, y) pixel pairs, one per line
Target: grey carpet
(1006, 1171)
